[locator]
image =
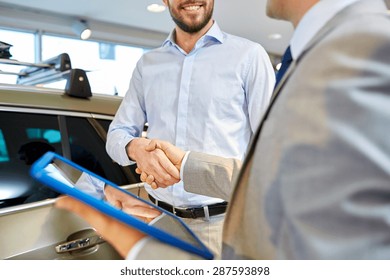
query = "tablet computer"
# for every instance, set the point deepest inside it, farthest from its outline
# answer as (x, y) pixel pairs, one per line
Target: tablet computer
(68, 178)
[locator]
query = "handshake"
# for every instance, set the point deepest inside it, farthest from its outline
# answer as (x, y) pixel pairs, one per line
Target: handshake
(158, 162)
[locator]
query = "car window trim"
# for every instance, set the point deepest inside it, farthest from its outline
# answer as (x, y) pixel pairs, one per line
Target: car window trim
(55, 112)
(64, 137)
(98, 128)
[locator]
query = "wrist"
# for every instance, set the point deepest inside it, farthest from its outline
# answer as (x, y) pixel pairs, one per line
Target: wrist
(134, 146)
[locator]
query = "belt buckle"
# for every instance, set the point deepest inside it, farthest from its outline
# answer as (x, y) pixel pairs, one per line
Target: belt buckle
(193, 214)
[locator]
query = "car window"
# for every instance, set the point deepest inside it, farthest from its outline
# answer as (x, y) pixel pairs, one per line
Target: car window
(88, 150)
(3, 148)
(105, 124)
(24, 137)
(130, 170)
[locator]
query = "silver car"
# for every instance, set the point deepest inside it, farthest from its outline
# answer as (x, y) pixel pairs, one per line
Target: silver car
(35, 120)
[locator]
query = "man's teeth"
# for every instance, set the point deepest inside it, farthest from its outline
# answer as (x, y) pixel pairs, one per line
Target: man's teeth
(192, 8)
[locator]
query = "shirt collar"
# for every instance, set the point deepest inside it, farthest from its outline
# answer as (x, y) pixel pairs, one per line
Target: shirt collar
(313, 21)
(213, 34)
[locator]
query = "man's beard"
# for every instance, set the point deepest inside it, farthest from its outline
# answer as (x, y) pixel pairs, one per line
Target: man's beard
(195, 27)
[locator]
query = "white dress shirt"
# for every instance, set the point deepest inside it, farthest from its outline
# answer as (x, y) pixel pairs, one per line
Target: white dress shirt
(210, 100)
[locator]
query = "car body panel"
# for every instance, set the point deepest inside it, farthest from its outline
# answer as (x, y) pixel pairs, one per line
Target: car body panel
(25, 232)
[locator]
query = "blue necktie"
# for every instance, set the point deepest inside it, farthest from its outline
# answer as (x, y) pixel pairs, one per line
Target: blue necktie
(286, 61)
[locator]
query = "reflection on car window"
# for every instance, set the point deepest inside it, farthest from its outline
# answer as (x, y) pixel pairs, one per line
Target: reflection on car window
(3, 148)
(21, 144)
(51, 135)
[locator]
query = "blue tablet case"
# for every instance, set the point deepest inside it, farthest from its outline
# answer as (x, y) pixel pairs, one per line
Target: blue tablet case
(55, 171)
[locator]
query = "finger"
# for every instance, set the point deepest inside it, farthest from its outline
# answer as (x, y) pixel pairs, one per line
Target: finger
(170, 168)
(150, 179)
(159, 184)
(153, 144)
(154, 185)
(165, 169)
(138, 171)
(143, 176)
(142, 211)
(116, 203)
(165, 161)
(67, 203)
(92, 216)
(158, 165)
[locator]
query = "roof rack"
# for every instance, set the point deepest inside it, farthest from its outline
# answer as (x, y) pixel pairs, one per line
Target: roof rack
(52, 70)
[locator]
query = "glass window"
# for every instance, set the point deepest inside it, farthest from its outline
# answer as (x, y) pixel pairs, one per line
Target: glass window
(105, 124)
(131, 168)
(109, 66)
(22, 50)
(3, 148)
(89, 151)
(23, 135)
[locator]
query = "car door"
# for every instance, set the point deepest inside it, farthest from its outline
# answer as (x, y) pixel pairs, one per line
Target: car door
(30, 227)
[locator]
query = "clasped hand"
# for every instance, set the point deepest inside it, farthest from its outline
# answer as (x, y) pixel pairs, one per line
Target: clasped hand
(161, 163)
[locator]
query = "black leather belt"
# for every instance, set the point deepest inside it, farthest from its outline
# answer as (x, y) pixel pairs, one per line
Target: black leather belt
(192, 213)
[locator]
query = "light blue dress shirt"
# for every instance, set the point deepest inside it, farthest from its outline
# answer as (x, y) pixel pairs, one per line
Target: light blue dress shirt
(210, 100)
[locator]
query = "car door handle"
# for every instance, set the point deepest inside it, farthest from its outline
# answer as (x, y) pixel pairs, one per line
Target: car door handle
(79, 244)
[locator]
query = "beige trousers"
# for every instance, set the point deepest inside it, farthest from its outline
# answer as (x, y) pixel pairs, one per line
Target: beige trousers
(209, 232)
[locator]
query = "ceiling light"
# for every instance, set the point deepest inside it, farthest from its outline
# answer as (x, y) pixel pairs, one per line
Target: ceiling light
(275, 36)
(156, 8)
(82, 29)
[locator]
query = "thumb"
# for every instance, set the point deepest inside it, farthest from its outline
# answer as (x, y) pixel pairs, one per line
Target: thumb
(153, 144)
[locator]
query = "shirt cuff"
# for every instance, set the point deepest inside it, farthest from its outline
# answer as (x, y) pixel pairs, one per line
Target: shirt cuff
(183, 163)
(133, 253)
(125, 160)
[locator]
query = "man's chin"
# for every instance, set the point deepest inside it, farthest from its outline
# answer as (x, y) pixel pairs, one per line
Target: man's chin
(191, 28)
(270, 12)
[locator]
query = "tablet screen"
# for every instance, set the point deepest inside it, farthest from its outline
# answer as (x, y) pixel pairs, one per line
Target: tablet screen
(71, 179)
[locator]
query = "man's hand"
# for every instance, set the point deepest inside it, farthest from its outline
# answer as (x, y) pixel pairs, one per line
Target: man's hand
(119, 235)
(173, 153)
(153, 161)
(130, 204)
